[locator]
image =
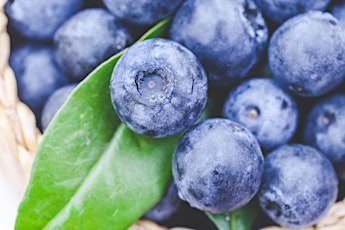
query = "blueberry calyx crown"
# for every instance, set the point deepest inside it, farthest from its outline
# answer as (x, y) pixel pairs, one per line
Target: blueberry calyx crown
(153, 84)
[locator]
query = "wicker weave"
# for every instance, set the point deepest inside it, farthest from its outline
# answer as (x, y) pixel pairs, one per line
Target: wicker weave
(334, 220)
(19, 136)
(19, 139)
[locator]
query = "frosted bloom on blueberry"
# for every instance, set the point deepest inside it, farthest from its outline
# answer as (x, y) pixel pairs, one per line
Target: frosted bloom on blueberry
(37, 73)
(39, 19)
(217, 166)
(158, 88)
(228, 37)
(87, 39)
(299, 186)
(266, 109)
(325, 130)
(307, 54)
(281, 10)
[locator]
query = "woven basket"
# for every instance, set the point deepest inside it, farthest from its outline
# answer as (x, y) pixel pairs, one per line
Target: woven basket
(20, 137)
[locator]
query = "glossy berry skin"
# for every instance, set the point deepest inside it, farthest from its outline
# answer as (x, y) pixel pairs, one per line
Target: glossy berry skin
(307, 54)
(54, 103)
(279, 11)
(37, 19)
(266, 109)
(37, 73)
(142, 12)
(158, 88)
(166, 207)
(217, 165)
(325, 130)
(227, 36)
(87, 39)
(299, 186)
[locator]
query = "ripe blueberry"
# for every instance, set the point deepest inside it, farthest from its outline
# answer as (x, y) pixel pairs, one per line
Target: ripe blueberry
(87, 39)
(299, 186)
(307, 54)
(38, 75)
(158, 88)
(325, 130)
(227, 36)
(267, 110)
(37, 19)
(217, 165)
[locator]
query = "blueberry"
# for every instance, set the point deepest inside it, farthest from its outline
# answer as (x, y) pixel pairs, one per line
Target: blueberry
(142, 12)
(166, 207)
(54, 103)
(87, 39)
(325, 130)
(267, 110)
(279, 11)
(299, 186)
(338, 11)
(217, 165)
(38, 75)
(307, 54)
(158, 88)
(227, 36)
(39, 19)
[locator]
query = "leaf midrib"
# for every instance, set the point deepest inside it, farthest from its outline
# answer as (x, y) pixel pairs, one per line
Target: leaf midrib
(116, 138)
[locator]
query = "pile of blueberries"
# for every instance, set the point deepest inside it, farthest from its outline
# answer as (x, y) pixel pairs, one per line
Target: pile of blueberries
(268, 76)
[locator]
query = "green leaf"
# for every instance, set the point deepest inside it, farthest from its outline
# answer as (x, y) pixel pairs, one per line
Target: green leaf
(240, 219)
(91, 172)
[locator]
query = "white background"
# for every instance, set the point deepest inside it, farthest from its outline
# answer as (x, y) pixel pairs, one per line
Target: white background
(9, 202)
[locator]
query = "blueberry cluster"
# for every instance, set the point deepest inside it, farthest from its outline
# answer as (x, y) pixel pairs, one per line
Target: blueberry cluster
(59, 42)
(305, 58)
(254, 88)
